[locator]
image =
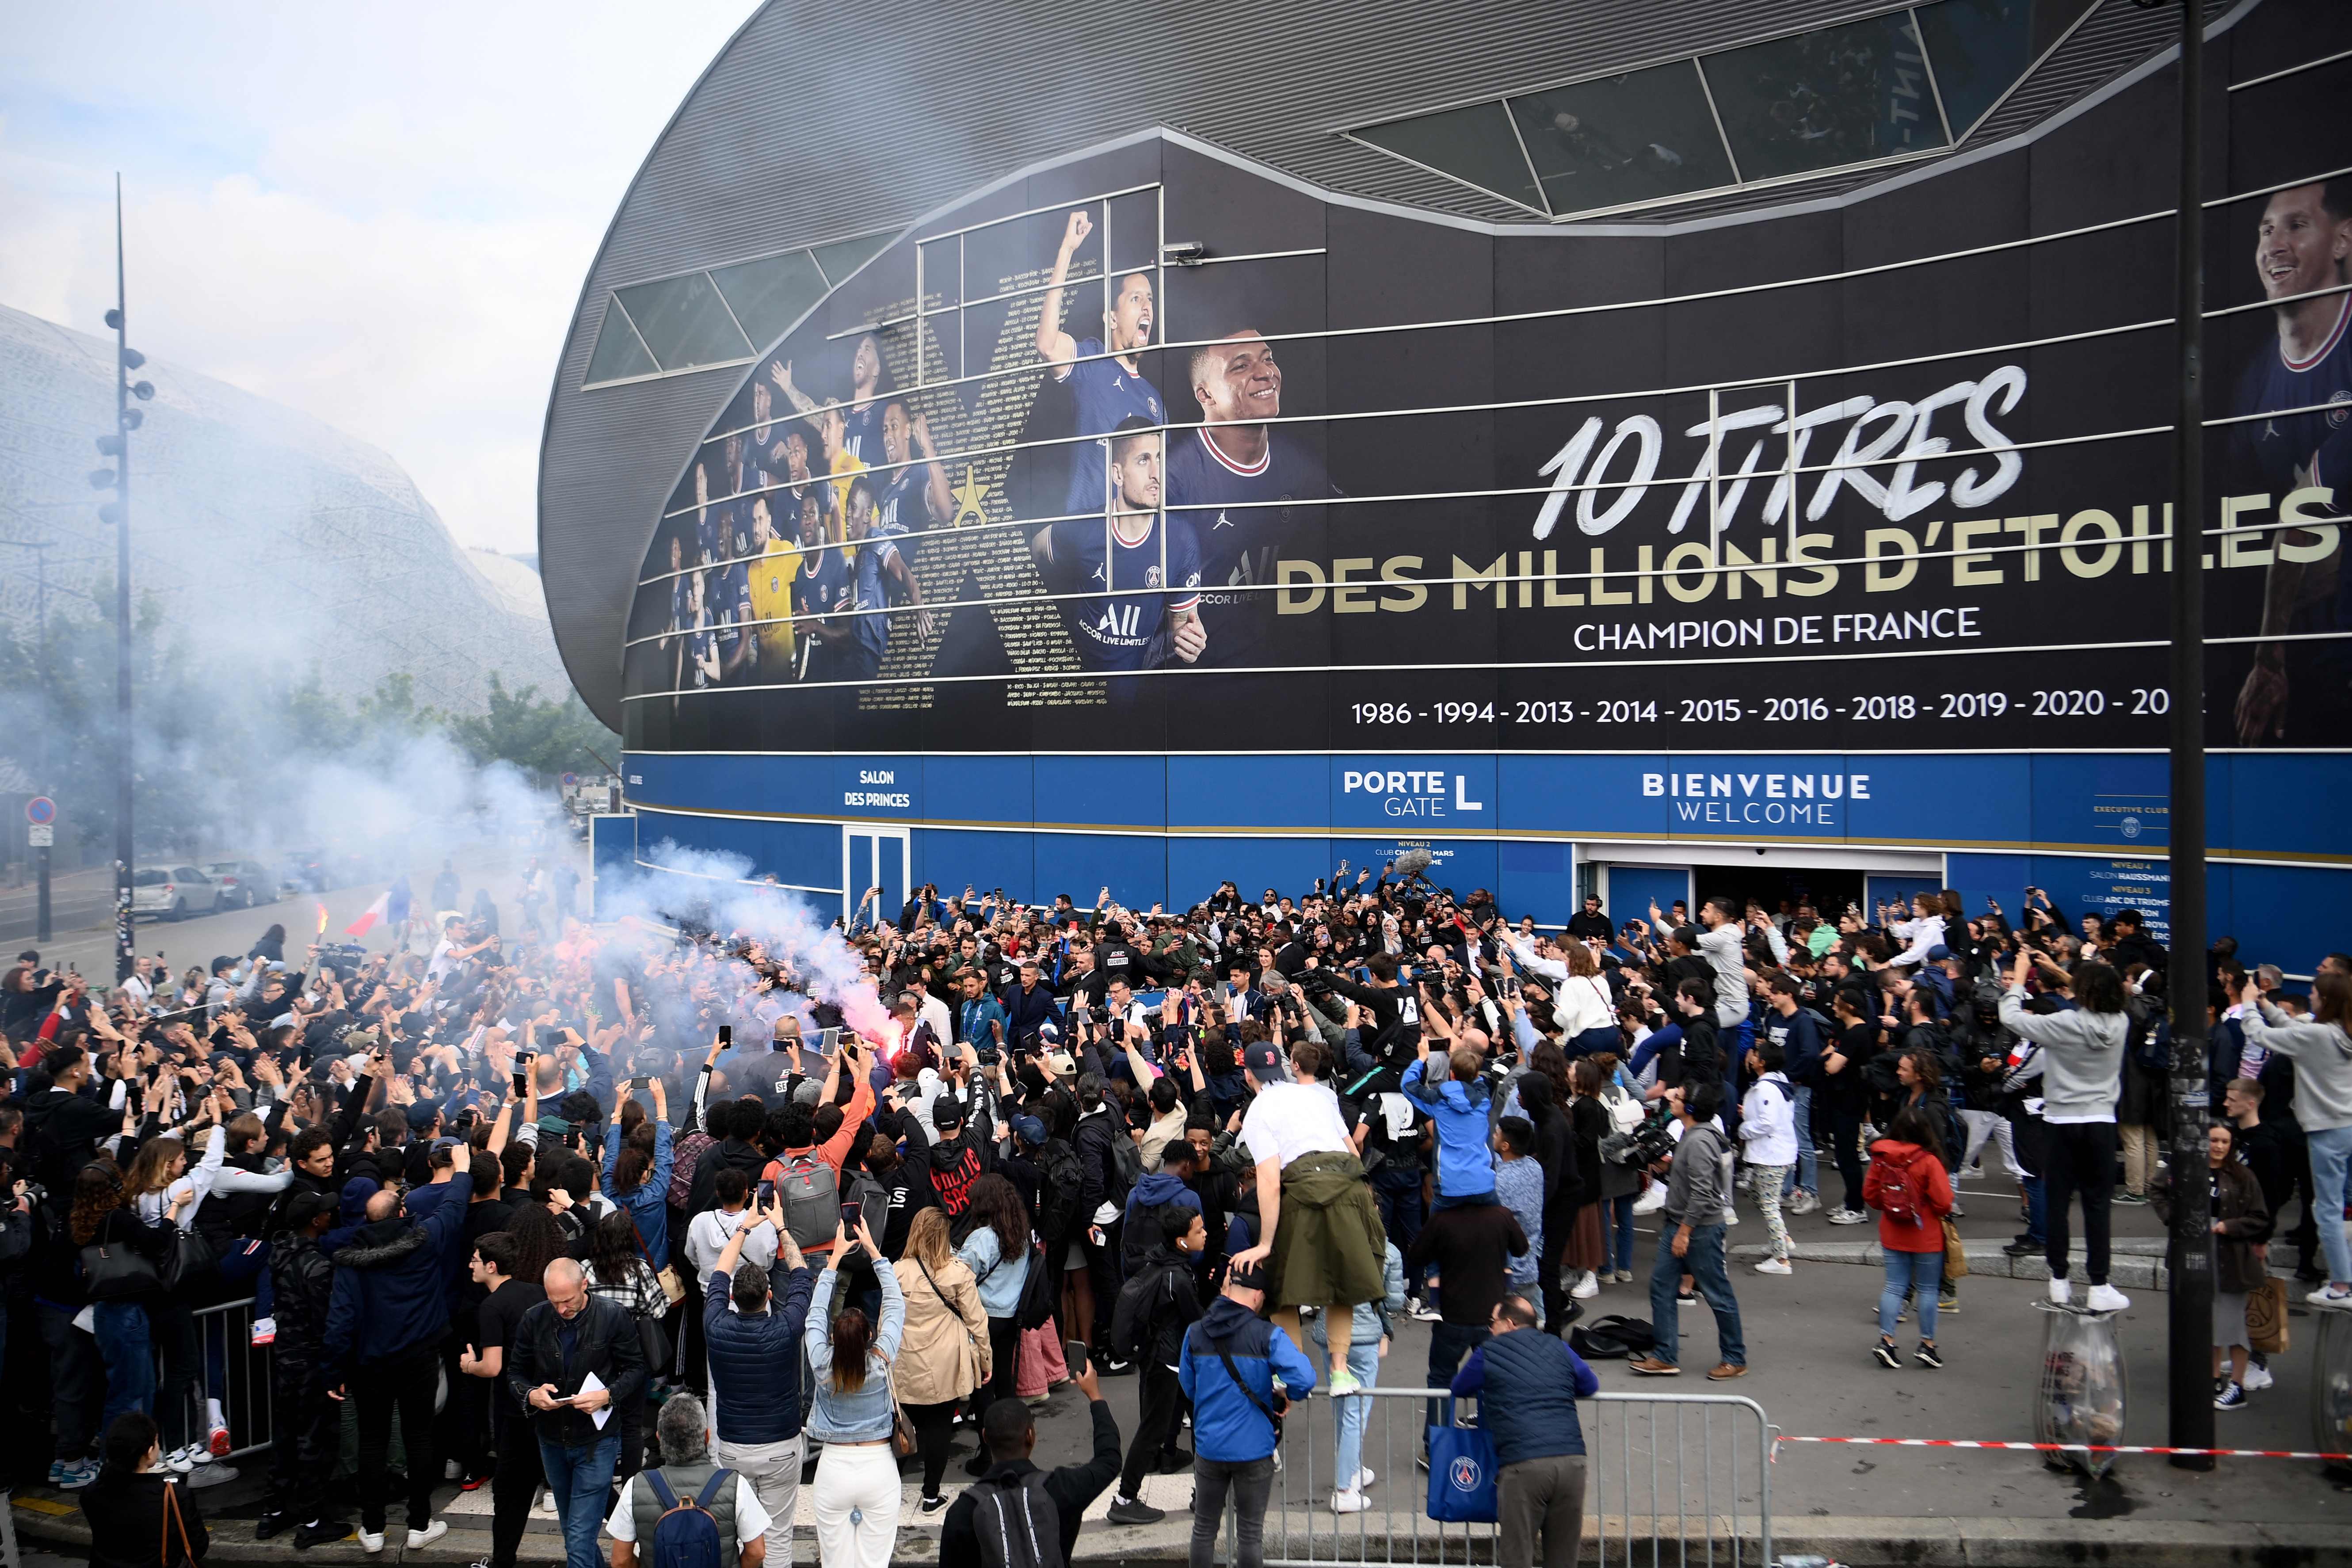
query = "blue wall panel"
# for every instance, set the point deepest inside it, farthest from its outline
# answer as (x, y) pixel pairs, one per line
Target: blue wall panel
(979, 789)
(1195, 867)
(1101, 792)
(955, 858)
(1538, 878)
(1134, 867)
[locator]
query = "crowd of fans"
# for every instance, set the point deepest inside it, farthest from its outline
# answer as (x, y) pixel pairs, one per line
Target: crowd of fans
(643, 1215)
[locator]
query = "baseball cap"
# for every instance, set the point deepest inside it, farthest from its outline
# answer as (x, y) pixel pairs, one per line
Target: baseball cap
(305, 1206)
(1263, 1062)
(421, 1115)
(1247, 1275)
(1030, 1129)
(1049, 1034)
(1938, 954)
(1059, 1064)
(947, 1111)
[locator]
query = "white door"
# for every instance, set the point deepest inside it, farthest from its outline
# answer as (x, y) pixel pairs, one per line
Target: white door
(873, 858)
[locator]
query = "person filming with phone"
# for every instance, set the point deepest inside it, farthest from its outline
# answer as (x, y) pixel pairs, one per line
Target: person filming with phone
(849, 1355)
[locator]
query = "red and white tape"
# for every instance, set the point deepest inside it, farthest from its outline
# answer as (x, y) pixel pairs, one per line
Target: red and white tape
(2066, 1447)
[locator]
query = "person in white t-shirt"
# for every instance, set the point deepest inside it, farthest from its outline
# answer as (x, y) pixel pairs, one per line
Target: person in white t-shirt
(1319, 1234)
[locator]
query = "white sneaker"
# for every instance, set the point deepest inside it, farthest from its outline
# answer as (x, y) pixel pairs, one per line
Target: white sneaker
(1774, 1266)
(428, 1535)
(2331, 1295)
(180, 1461)
(371, 1543)
(1350, 1501)
(1653, 1199)
(544, 1506)
(1846, 1216)
(2105, 1298)
(2061, 1292)
(2258, 1377)
(265, 1332)
(1364, 1477)
(1730, 1215)
(1801, 1202)
(1587, 1287)
(1423, 1312)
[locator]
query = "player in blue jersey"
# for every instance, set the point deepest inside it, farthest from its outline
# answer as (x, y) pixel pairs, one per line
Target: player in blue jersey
(1137, 571)
(1108, 391)
(1238, 480)
(729, 606)
(914, 495)
(881, 567)
(823, 591)
(2302, 245)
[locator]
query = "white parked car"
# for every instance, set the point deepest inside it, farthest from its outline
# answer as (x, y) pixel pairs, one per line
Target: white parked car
(171, 892)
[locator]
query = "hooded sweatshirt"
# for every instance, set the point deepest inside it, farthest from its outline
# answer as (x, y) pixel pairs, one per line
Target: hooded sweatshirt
(1466, 1165)
(2082, 1058)
(2322, 1053)
(1156, 1191)
(1895, 1162)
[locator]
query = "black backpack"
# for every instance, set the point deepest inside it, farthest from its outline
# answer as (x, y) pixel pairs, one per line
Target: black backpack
(1017, 1523)
(1612, 1338)
(1040, 1292)
(1057, 1190)
(1131, 1319)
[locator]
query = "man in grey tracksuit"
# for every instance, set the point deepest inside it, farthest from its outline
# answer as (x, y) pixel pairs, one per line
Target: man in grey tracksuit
(1690, 1236)
(2082, 1065)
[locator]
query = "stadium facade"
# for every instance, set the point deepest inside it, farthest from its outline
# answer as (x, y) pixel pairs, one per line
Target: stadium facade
(1701, 448)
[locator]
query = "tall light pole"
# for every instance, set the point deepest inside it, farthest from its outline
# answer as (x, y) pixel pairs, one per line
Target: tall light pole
(118, 511)
(2188, 1386)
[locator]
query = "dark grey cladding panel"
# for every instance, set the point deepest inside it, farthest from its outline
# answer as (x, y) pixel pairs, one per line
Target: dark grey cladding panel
(824, 119)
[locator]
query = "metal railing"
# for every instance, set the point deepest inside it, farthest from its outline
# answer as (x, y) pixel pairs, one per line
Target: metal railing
(225, 1366)
(1680, 1479)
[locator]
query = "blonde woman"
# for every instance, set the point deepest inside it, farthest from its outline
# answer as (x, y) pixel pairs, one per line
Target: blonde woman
(946, 1354)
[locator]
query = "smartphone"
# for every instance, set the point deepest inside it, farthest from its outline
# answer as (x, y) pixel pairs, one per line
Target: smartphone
(522, 1077)
(852, 1215)
(828, 1041)
(766, 1193)
(1073, 1352)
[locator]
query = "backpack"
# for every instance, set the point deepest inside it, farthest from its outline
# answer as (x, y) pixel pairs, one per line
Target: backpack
(1612, 1338)
(1057, 1190)
(1017, 1523)
(687, 1535)
(1898, 1196)
(1040, 1292)
(1127, 1165)
(2147, 1039)
(686, 1159)
(1131, 1318)
(811, 1195)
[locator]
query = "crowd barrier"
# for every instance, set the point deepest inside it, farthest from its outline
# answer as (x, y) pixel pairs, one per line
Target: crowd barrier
(217, 1361)
(1681, 1479)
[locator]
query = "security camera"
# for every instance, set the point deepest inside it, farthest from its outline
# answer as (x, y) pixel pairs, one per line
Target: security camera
(1185, 252)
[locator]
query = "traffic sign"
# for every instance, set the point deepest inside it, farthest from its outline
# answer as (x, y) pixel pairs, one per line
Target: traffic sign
(40, 835)
(40, 811)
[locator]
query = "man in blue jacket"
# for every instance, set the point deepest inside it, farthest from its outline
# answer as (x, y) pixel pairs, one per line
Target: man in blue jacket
(1529, 1407)
(384, 1326)
(1232, 1358)
(751, 1321)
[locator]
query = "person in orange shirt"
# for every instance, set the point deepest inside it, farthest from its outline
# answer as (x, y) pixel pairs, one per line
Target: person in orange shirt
(802, 1142)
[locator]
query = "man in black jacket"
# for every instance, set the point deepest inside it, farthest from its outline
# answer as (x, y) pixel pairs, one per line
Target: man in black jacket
(1015, 1492)
(63, 1125)
(308, 1425)
(564, 1341)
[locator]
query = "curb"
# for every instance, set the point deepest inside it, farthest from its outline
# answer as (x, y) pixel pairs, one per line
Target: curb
(1859, 1541)
(2131, 1265)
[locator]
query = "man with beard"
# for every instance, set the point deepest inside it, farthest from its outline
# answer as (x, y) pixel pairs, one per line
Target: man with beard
(771, 566)
(1105, 382)
(1238, 480)
(2303, 245)
(1136, 572)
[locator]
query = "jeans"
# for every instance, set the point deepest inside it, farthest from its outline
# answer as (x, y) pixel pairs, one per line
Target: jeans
(517, 1479)
(1617, 1215)
(856, 1505)
(2080, 1156)
(1354, 1413)
(1396, 1192)
(1918, 1275)
(376, 1389)
(77, 1379)
(1252, 1483)
(1449, 1344)
(2331, 1153)
(123, 1344)
(580, 1480)
(1769, 1194)
(1160, 1400)
(2037, 1209)
(1705, 1262)
(1808, 1174)
(1540, 1497)
(1845, 1143)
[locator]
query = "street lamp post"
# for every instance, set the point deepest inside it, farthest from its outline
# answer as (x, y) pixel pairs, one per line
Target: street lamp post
(118, 512)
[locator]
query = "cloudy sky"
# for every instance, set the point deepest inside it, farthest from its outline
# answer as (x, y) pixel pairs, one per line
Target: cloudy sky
(380, 215)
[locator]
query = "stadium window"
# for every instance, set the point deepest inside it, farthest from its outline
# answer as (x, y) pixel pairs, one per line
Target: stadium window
(1855, 93)
(1476, 145)
(1981, 48)
(844, 257)
(768, 295)
(620, 355)
(684, 321)
(1623, 140)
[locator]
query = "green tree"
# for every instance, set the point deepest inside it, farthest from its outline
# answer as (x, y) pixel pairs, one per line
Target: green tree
(541, 738)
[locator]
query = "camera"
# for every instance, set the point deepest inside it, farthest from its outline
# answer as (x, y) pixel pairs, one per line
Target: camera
(1643, 1147)
(988, 1055)
(1314, 982)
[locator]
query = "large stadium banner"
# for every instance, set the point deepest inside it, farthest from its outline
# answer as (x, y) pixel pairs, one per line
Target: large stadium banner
(1152, 453)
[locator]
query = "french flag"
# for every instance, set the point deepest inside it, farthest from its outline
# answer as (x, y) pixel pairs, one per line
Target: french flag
(369, 916)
